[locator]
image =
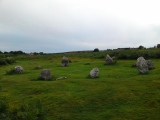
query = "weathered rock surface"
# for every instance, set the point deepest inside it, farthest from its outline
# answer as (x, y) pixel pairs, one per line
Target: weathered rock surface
(150, 64)
(94, 72)
(142, 66)
(45, 74)
(109, 60)
(65, 61)
(19, 69)
(114, 58)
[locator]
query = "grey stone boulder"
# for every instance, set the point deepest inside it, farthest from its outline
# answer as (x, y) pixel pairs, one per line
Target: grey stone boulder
(114, 58)
(109, 60)
(94, 73)
(142, 66)
(65, 61)
(19, 69)
(150, 64)
(45, 74)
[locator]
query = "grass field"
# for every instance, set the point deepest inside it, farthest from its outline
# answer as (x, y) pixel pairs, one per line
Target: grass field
(119, 93)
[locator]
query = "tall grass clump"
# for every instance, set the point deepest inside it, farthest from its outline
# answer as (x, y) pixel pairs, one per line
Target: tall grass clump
(4, 114)
(4, 110)
(33, 111)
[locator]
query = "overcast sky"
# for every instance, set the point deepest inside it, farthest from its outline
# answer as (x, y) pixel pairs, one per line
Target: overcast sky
(52, 26)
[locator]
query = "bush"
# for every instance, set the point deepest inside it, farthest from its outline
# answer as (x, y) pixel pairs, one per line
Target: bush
(3, 62)
(158, 54)
(123, 56)
(96, 50)
(141, 47)
(8, 60)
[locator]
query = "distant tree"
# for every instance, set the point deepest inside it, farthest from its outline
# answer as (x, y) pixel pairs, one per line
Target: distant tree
(141, 47)
(35, 53)
(158, 45)
(96, 50)
(127, 48)
(5, 52)
(41, 53)
(16, 52)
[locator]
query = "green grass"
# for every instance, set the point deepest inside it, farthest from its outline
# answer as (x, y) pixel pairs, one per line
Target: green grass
(119, 93)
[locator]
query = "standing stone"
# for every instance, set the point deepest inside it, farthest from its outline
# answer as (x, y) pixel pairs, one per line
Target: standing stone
(109, 60)
(114, 57)
(94, 72)
(45, 74)
(142, 66)
(18, 69)
(65, 61)
(150, 64)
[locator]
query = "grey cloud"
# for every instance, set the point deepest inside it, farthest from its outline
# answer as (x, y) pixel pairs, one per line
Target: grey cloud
(56, 26)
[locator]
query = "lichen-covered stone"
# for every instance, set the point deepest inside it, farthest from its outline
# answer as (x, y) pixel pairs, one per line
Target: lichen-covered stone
(142, 66)
(94, 73)
(45, 74)
(19, 69)
(109, 60)
(65, 61)
(150, 64)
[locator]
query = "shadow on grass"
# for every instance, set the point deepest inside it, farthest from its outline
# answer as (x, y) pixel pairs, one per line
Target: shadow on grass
(143, 74)
(62, 66)
(40, 79)
(12, 72)
(53, 78)
(114, 64)
(88, 63)
(38, 68)
(89, 77)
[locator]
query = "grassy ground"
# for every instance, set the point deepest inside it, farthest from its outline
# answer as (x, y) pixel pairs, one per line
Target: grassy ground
(120, 92)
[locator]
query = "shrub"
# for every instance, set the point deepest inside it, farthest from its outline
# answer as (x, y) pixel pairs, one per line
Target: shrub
(3, 62)
(141, 47)
(8, 60)
(158, 54)
(123, 56)
(134, 55)
(96, 50)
